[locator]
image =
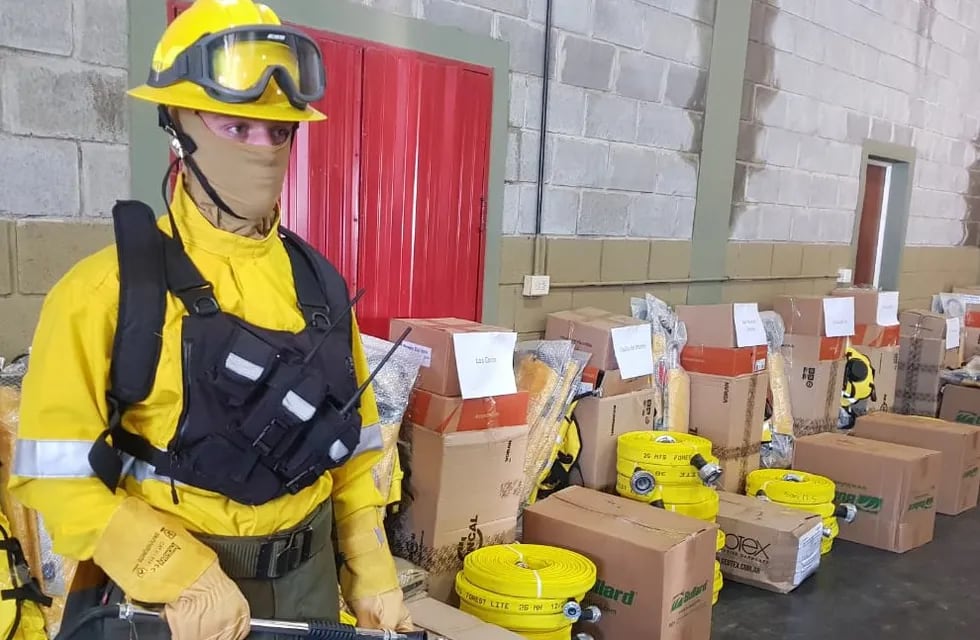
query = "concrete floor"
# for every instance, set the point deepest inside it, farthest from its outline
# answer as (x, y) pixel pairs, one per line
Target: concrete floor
(860, 593)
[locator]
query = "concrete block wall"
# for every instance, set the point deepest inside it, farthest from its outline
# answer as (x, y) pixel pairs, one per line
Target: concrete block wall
(625, 109)
(824, 76)
(63, 146)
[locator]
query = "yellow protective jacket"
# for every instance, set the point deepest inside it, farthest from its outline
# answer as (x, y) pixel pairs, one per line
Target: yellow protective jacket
(63, 406)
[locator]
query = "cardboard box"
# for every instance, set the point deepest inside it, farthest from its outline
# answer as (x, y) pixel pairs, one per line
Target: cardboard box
(450, 623)
(801, 314)
(917, 323)
(433, 338)
(708, 325)
(813, 348)
(959, 484)
(917, 384)
(970, 343)
(866, 303)
(724, 361)
(449, 415)
(600, 422)
(961, 404)
(766, 545)
(874, 335)
(590, 329)
(893, 486)
(655, 567)
(465, 494)
(815, 392)
(884, 360)
(729, 412)
(611, 383)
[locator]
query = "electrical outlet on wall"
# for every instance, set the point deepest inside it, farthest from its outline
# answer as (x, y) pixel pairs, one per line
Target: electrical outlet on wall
(537, 285)
(844, 276)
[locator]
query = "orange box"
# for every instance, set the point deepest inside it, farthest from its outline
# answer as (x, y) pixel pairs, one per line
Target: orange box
(815, 348)
(972, 316)
(875, 335)
(722, 361)
(451, 414)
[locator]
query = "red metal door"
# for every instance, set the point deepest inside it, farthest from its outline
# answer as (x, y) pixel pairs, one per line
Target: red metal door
(426, 128)
(321, 191)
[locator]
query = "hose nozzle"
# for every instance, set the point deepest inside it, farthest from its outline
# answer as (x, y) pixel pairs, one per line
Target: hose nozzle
(709, 473)
(846, 512)
(761, 495)
(642, 482)
(572, 610)
(583, 636)
(827, 533)
(591, 615)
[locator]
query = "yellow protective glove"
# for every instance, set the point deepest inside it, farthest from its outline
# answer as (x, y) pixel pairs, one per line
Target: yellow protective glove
(384, 611)
(368, 579)
(153, 559)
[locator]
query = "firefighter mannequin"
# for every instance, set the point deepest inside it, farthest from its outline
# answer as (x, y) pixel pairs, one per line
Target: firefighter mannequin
(232, 85)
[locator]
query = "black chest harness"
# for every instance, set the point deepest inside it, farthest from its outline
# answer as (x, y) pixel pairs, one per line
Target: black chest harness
(265, 412)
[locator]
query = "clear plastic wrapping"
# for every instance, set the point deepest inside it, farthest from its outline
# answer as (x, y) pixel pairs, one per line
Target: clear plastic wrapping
(671, 383)
(550, 372)
(392, 388)
(778, 452)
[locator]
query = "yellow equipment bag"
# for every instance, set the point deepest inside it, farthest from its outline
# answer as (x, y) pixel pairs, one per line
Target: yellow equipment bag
(564, 456)
(20, 594)
(859, 385)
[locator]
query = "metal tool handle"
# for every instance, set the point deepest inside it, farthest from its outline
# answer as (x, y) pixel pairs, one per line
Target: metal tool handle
(311, 629)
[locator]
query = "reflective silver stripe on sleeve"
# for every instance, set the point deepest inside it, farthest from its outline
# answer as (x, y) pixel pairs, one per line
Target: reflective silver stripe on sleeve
(52, 459)
(371, 440)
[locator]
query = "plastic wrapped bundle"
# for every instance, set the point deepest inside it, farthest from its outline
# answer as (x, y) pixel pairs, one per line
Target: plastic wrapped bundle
(672, 384)
(550, 372)
(392, 388)
(779, 452)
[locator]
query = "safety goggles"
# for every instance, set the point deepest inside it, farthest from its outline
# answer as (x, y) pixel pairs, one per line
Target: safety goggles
(236, 65)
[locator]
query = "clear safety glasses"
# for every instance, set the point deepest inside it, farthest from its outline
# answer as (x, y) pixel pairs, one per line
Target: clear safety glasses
(235, 65)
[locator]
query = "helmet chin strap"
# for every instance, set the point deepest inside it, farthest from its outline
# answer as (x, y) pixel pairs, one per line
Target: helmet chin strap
(185, 147)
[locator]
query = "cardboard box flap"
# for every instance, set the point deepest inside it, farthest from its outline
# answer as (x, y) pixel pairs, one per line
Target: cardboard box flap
(885, 449)
(767, 514)
(621, 518)
(453, 624)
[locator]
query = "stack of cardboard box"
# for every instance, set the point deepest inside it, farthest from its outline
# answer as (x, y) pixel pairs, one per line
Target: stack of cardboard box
(971, 332)
(817, 329)
(466, 456)
(876, 333)
(929, 342)
(619, 373)
(725, 356)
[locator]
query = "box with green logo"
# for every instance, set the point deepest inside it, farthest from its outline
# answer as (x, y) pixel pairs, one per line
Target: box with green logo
(893, 486)
(655, 567)
(959, 484)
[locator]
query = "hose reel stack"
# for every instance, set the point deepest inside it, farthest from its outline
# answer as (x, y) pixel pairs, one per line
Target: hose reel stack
(532, 590)
(672, 471)
(806, 492)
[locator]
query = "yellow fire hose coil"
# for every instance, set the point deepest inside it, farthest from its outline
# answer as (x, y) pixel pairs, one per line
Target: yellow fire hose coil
(791, 487)
(529, 589)
(799, 490)
(655, 447)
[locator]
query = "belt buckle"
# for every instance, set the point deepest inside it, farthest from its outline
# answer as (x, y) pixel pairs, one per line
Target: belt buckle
(295, 553)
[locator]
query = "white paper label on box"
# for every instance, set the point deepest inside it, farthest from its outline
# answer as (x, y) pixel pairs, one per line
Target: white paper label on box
(749, 330)
(952, 333)
(422, 350)
(888, 308)
(634, 350)
(808, 555)
(485, 363)
(838, 317)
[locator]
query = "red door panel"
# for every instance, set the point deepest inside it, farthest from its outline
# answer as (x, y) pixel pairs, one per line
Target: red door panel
(320, 195)
(423, 188)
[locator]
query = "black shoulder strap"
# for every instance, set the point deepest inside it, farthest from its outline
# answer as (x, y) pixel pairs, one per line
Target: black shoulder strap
(321, 290)
(142, 302)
